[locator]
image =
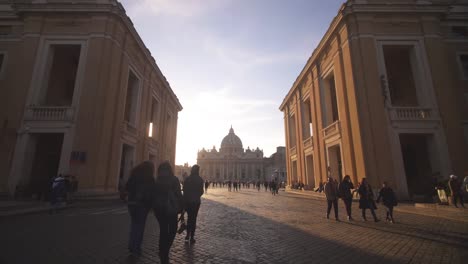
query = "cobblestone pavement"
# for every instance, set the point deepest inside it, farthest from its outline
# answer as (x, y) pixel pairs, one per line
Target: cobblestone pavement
(243, 227)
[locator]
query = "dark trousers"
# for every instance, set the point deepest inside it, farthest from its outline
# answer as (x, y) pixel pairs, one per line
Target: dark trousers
(192, 213)
(389, 212)
(348, 203)
(456, 198)
(167, 233)
(335, 207)
(372, 212)
(138, 216)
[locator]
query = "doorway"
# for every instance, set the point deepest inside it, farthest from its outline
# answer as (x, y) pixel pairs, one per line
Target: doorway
(310, 171)
(126, 163)
(416, 153)
(46, 150)
(335, 163)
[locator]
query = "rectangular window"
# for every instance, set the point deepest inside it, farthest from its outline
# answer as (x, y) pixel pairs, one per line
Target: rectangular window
(2, 62)
(460, 31)
(153, 117)
(464, 66)
(131, 100)
(400, 74)
(61, 75)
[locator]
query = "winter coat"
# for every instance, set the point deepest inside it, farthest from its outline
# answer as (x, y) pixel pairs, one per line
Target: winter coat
(140, 189)
(193, 189)
(167, 196)
(345, 188)
(388, 197)
(331, 191)
(366, 197)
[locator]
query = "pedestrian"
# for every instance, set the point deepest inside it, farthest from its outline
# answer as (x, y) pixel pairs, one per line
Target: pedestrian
(58, 193)
(140, 188)
(366, 200)
(320, 188)
(167, 205)
(455, 191)
(74, 187)
(331, 192)
(207, 184)
(345, 188)
(193, 190)
(389, 201)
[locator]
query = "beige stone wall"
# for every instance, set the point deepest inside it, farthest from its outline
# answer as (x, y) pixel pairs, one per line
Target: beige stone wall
(369, 134)
(111, 49)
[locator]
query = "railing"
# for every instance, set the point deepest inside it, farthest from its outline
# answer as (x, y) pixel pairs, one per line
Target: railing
(332, 129)
(49, 113)
(293, 151)
(308, 143)
(412, 113)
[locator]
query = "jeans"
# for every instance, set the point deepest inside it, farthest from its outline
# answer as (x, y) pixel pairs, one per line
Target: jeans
(167, 233)
(335, 207)
(138, 216)
(348, 203)
(192, 213)
(389, 212)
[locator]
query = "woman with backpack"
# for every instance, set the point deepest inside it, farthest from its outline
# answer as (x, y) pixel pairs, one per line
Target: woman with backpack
(167, 205)
(140, 187)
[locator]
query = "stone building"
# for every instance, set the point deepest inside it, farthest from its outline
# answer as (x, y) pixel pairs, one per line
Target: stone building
(275, 165)
(231, 162)
(80, 94)
(181, 170)
(383, 96)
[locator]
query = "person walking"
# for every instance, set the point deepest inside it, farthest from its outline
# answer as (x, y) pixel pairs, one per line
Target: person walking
(58, 193)
(193, 190)
(455, 191)
(167, 205)
(389, 201)
(140, 187)
(366, 200)
(345, 190)
(331, 192)
(207, 184)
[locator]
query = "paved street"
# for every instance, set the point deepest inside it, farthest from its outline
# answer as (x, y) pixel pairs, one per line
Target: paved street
(243, 227)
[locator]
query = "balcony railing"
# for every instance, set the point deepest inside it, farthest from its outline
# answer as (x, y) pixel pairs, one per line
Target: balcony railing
(412, 113)
(49, 113)
(332, 129)
(308, 143)
(293, 151)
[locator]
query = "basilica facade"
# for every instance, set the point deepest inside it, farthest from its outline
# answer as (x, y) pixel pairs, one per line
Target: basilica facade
(231, 161)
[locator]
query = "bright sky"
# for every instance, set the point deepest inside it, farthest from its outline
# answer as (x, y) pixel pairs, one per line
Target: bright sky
(230, 62)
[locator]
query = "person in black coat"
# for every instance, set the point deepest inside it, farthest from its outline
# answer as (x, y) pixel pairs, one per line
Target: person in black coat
(389, 200)
(167, 205)
(366, 200)
(193, 190)
(140, 187)
(345, 188)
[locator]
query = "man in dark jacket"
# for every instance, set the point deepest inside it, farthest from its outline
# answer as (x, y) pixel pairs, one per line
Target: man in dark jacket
(455, 191)
(345, 189)
(331, 192)
(193, 190)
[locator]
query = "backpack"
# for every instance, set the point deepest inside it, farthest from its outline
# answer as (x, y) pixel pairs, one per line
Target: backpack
(169, 203)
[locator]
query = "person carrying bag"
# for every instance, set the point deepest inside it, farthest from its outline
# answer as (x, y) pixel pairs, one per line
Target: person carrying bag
(167, 205)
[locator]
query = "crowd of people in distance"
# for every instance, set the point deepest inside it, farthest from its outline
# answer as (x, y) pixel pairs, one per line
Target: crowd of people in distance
(272, 186)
